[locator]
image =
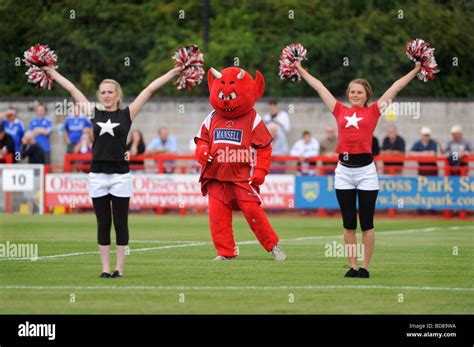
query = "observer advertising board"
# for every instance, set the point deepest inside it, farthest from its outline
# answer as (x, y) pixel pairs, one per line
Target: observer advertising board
(160, 190)
(429, 193)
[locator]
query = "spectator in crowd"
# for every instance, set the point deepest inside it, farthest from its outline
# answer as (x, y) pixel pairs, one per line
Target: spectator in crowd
(192, 146)
(277, 116)
(304, 148)
(329, 143)
(136, 146)
(15, 128)
(78, 132)
(195, 166)
(31, 150)
(85, 143)
(279, 146)
(393, 144)
(41, 127)
(7, 145)
(425, 147)
(163, 144)
(375, 146)
(328, 149)
(279, 143)
(78, 136)
(457, 149)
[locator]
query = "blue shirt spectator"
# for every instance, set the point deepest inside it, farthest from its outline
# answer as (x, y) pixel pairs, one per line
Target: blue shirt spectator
(419, 146)
(16, 130)
(75, 125)
(14, 127)
(42, 140)
(163, 144)
(426, 147)
(41, 126)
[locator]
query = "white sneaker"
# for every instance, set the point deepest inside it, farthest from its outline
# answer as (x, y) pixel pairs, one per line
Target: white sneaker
(221, 257)
(278, 254)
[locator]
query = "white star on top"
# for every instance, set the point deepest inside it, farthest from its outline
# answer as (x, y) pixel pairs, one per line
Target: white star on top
(353, 121)
(107, 127)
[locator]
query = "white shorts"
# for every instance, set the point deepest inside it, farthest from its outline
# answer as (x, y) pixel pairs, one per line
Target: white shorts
(363, 178)
(102, 184)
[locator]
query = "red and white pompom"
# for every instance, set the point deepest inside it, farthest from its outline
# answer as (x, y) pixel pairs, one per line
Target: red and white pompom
(191, 60)
(39, 78)
(420, 51)
(35, 58)
(289, 55)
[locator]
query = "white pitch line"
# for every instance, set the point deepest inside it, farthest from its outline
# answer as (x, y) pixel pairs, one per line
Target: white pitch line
(208, 288)
(130, 241)
(170, 246)
(392, 232)
(194, 244)
(96, 252)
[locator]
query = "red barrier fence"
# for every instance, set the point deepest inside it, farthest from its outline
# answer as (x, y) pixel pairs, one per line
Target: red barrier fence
(321, 165)
(82, 162)
(408, 165)
(7, 159)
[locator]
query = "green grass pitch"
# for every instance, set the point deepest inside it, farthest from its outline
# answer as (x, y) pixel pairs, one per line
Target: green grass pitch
(170, 269)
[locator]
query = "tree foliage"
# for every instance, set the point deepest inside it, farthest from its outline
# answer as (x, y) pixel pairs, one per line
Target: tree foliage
(94, 39)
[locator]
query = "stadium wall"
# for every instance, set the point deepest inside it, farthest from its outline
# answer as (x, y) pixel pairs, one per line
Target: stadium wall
(184, 115)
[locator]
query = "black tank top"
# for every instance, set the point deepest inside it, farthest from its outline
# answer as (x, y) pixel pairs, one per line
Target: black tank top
(110, 141)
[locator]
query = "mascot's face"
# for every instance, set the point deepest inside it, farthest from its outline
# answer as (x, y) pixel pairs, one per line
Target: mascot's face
(233, 91)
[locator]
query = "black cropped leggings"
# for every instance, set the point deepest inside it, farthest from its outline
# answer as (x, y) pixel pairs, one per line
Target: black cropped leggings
(105, 207)
(347, 203)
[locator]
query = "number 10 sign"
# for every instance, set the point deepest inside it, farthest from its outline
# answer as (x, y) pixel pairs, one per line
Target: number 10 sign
(17, 180)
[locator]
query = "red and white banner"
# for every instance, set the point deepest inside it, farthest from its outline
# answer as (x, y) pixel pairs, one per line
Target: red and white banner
(160, 190)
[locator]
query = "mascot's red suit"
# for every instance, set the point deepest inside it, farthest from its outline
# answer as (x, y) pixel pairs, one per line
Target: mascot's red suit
(234, 148)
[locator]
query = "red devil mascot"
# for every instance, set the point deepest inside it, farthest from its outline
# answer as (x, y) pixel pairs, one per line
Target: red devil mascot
(234, 148)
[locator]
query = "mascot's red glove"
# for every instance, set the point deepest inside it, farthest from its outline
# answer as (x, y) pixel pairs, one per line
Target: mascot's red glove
(258, 177)
(264, 160)
(202, 152)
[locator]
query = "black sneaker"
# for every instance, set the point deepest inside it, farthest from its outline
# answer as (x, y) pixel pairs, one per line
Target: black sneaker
(351, 273)
(116, 274)
(105, 275)
(362, 273)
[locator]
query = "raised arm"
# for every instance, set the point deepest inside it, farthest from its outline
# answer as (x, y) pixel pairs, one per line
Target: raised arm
(41, 131)
(3, 114)
(6, 113)
(325, 95)
(70, 88)
(396, 87)
(146, 93)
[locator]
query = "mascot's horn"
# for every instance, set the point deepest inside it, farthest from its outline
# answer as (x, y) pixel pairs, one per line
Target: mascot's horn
(216, 73)
(241, 74)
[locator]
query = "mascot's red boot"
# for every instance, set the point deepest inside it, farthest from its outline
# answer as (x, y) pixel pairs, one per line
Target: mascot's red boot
(234, 148)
